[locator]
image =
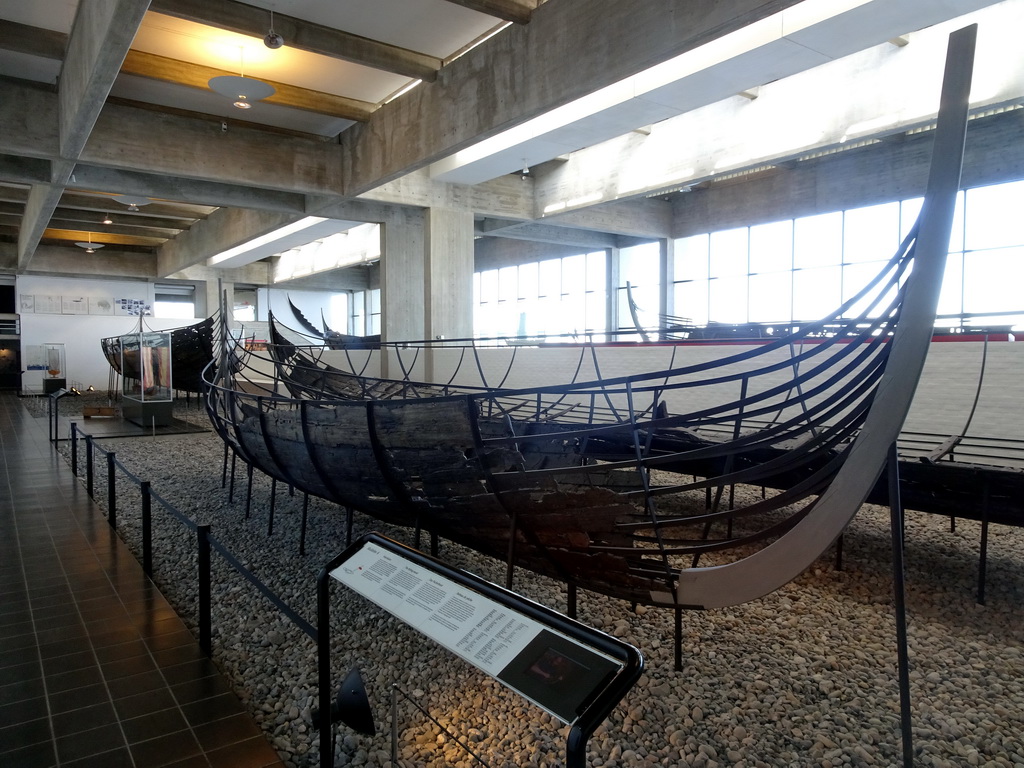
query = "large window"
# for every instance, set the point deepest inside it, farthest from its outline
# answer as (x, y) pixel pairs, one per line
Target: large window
(802, 269)
(176, 302)
(779, 273)
(639, 278)
(555, 296)
(365, 313)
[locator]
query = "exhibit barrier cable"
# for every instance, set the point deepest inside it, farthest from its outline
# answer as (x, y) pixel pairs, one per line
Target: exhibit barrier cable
(206, 544)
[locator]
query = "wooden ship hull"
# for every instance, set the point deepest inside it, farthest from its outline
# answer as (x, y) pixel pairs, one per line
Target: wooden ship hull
(191, 352)
(588, 482)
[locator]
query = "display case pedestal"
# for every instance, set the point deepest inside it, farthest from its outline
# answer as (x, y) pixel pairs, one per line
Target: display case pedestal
(148, 413)
(50, 386)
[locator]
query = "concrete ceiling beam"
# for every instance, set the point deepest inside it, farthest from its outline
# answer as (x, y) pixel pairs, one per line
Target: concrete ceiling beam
(568, 50)
(115, 264)
(504, 197)
(516, 11)
(543, 233)
(169, 187)
(224, 229)
(646, 218)
(102, 33)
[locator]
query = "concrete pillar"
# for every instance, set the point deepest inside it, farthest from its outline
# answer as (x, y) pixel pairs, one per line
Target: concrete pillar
(449, 274)
(213, 295)
(402, 294)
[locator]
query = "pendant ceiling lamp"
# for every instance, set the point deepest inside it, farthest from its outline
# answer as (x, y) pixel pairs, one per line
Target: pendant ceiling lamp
(242, 90)
(90, 246)
(132, 201)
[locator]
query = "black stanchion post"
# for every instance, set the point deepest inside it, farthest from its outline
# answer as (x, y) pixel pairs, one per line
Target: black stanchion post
(147, 528)
(88, 465)
(74, 449)
(248, 494)
(273, 500)
(302, 528)
(203, 565)
(111, 492)
(896, 530)
(323, 663)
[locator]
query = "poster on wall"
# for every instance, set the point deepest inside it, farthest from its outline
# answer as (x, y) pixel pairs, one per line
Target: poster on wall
(100, 305)
(74, 305)
(48, 304)
(27, 304)
(133, 307)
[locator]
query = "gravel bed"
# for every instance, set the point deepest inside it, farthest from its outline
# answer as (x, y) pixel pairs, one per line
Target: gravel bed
(803, 677)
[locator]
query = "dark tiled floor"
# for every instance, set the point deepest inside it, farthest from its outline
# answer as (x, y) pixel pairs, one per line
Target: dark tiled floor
(95, 667)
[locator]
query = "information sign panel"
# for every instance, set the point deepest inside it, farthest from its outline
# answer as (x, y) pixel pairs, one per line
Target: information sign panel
(558, 673)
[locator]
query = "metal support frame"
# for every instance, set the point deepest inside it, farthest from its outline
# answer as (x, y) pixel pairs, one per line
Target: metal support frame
(88, 466)
(111, 490)
(983, 554)
(302, 525)
(273, 502)
(74, 449)
(248, 491)
(896, 527)
(204, 580)
(231, 486)
(147, 527)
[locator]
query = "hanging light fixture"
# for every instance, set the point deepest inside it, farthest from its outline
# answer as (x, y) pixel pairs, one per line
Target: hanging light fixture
(132, 201)
(107, 219)
(240, 89)
(90, 246)
(273, 40)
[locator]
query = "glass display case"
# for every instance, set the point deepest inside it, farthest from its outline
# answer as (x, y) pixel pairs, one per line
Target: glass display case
(54, 376)
(146, 378)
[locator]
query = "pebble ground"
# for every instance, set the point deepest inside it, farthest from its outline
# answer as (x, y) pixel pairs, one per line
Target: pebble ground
(804, 677)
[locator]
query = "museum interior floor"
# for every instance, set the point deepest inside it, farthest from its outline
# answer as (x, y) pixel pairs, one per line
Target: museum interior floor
(96, 669)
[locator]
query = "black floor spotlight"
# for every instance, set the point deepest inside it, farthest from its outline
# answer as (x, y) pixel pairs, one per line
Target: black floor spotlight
(351, 706)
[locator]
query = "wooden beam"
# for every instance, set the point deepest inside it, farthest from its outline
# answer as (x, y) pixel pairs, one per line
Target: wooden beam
(186, 73)
(98, 229)
(303, 35)
(107, 238)
(516, 11)
(48, 44)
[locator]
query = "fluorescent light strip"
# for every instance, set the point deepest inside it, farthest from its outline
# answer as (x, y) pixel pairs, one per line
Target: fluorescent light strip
(267, 239)
(725, 48)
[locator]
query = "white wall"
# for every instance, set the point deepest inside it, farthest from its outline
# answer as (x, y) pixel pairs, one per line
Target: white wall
(310, 303)
(85, 364)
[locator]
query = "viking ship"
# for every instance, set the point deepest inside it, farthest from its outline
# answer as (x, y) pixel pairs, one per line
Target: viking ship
(616, 482)
(191, 352)
(332, 338)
